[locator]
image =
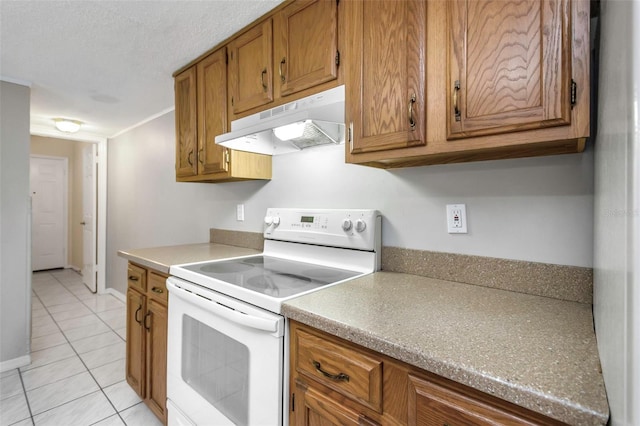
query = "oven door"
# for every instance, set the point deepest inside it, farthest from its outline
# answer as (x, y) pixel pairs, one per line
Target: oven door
(224, 359)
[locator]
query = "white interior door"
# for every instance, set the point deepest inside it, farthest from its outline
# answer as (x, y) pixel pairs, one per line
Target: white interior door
(89, 216)
(49, 188)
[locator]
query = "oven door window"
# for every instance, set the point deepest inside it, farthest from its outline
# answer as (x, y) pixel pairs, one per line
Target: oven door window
(217, 367)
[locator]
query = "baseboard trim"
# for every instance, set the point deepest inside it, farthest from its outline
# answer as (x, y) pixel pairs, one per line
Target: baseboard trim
(115, 293)
(15, 363)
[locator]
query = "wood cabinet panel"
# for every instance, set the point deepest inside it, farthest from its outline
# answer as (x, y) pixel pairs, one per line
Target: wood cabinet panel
(186, 123)
(156, 351)
(347, 371)
(385, 75)
(510, 66)
(135, 350)
(411, 396)
(137, 277)
(212, 111)
(434, 405)
(146, 349)
(251, 68)
(315, 409)
(305, 45)
(158, 287)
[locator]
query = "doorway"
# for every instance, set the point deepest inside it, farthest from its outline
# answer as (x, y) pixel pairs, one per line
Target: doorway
(49, 194)
(86, 218)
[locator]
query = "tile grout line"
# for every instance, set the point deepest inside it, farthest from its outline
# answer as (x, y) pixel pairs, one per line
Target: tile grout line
(100, 388)
(85, 365)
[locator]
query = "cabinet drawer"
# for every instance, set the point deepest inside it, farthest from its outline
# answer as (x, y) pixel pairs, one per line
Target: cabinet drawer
(158, 287)
(348, 371)
(137, 277)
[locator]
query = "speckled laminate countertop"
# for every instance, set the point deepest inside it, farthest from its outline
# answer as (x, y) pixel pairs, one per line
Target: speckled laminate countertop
(536, 352)
(161, 258)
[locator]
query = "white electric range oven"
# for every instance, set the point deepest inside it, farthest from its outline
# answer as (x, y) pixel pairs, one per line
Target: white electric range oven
(227, 343)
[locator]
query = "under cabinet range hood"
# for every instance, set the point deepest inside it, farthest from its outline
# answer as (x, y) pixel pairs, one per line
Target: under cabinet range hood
(305, 123)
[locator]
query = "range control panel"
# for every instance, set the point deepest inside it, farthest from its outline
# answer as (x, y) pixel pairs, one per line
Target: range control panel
(356, 229)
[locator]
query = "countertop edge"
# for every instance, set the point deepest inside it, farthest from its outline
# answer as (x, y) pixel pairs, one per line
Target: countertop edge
(144, 262)
(558, 409)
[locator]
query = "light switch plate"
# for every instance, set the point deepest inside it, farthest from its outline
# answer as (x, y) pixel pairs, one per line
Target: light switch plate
(457, 218)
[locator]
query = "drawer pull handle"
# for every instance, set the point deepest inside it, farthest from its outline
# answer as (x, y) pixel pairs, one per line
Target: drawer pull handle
(340, 377)
(157, 290)
(133, 278)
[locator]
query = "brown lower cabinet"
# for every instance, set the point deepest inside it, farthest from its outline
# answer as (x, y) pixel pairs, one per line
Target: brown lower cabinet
(336, 382)
(146, 368)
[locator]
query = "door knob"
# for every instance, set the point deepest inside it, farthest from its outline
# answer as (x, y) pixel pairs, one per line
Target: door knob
(83, 223)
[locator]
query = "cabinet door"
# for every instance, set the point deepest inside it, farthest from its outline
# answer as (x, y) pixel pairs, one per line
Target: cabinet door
(434, 405)
(136, 308)
(212, 111)
(385, 74)
(306, 45)
(251, 67)
(509, 66)
(186, 123)
(155, 323)
(313, 408)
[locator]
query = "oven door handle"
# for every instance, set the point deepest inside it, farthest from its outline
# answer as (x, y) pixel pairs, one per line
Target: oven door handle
(223, 311)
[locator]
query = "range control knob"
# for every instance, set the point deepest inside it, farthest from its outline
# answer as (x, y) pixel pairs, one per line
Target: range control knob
(361, 225)
(346, 224)
(276, 220)
(268, 220)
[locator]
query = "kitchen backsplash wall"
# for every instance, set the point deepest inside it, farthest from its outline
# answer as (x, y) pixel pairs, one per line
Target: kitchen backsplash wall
(534, 209)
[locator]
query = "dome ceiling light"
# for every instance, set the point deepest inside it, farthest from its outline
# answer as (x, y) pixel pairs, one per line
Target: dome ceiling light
(66, 125)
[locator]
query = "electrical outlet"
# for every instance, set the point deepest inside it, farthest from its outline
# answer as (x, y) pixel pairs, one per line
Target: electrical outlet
(457, 218)
(240, 212)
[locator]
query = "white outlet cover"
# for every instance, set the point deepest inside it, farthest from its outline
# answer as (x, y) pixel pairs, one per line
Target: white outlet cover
(240, 212)
(457, 218)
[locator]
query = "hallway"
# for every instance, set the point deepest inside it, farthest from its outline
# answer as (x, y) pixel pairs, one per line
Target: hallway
(77, 371)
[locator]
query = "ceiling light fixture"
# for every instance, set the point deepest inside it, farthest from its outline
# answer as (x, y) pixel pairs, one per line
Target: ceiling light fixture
(66, 125)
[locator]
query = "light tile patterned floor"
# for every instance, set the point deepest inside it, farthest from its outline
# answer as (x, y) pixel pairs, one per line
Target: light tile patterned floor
(76, 376)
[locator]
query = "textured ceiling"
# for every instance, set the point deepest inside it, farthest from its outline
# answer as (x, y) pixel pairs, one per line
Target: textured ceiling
(109, 63)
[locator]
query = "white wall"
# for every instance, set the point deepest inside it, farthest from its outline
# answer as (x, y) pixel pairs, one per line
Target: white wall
(15, 267)
(617, 211)
(537, 209)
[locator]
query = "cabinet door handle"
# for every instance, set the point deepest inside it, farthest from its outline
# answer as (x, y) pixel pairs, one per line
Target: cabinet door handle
(456, 108)
(200, 156)
(412, 101)
(133, 278)
(145, 320)
(262, 74)
(189, 158)
(282, 62)
(157, 290)
(135, 316)
(340, 377)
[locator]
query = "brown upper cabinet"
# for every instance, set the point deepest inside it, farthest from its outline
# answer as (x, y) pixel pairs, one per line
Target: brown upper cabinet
(251, 68)
(385, 75)
(212, 112)
(291, 54)
(201, 115)
(186, 124)
(503, 79)
(306, 45)
(509, 66)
